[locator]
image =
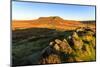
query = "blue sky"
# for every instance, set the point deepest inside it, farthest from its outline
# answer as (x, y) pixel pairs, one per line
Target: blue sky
(32, 10)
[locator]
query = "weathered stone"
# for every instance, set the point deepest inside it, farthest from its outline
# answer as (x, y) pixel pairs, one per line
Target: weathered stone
(65, 47)
(51, 43)
(51, 59)
(79, 29)
(78, 43)
(58, 41)
(56, 47)
(93, 42)
(70, 59)
(77, 51)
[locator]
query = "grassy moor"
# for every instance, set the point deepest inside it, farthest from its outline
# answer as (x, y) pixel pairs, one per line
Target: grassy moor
(52, 33)
(52, 40)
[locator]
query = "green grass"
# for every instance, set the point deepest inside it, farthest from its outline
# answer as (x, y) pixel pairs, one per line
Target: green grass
(27, 45)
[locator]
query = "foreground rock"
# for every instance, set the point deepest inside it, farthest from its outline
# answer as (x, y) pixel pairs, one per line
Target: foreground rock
(81, 47)
(76, 46)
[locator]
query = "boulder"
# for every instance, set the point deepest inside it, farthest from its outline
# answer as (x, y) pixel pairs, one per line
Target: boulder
(65, 47)
(77, 42)
(58, 41)
(51, 59)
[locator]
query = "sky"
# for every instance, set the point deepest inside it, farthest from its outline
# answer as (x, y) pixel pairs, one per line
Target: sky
(33, 10)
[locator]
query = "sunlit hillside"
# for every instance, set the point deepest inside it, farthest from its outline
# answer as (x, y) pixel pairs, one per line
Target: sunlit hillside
(52, 40)
(49, 22)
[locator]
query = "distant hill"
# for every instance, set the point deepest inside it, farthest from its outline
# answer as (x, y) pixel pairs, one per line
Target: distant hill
(52, 22)
(89, 22)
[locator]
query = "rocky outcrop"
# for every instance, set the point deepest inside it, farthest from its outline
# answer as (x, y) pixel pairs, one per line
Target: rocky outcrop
(51, 59)
(76, 40)
(80, 48)
(74, 46)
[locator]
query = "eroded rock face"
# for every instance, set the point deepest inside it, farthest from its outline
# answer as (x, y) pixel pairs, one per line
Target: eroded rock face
(51, 59)
(61, 46)
(77, 42)
(52, 54)
(81, 48)
(65, 47)
(58, 41)
(93, 42)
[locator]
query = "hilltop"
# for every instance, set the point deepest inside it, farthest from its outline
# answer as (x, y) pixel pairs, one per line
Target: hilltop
(52, 40)
(52, 22)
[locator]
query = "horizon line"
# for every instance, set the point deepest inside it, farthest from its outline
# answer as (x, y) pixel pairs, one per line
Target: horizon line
(36, 18)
